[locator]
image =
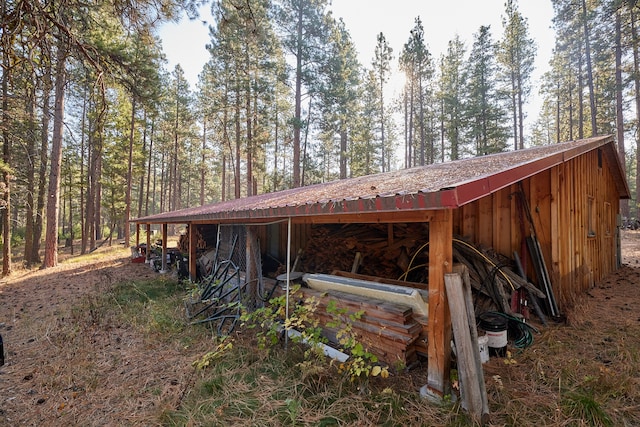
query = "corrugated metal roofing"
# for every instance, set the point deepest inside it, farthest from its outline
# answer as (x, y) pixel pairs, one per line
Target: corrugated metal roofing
(437, 186)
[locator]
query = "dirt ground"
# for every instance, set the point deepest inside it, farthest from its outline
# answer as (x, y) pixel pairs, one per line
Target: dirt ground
(43, 383)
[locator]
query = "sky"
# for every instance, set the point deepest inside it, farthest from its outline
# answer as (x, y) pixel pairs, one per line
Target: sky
(184, 42)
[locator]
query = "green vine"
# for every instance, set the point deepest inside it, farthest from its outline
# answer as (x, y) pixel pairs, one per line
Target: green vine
(271, 322)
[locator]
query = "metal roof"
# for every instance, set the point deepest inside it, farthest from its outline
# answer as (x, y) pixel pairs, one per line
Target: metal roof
(436, 186)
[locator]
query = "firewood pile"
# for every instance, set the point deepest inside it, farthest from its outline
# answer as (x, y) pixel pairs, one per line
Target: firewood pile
(205, 238)
(383, 254)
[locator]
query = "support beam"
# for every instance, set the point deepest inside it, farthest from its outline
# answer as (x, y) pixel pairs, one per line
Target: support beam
(164, 248)
(137, 235)
(439, 330)
(251, 273)
(193, 245)
(148, 251)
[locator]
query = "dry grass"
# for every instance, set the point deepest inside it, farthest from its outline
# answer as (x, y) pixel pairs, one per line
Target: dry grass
(87, 345)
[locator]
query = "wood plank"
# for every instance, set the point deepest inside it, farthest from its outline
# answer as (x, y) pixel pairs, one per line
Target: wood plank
(465, 347)
(471, 319)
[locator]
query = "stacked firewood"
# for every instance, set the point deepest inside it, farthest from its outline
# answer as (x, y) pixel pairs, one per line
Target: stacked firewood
(383, 254)
(205, 238)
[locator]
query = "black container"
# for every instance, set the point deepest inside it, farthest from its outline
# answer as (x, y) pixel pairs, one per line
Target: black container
(495, 327)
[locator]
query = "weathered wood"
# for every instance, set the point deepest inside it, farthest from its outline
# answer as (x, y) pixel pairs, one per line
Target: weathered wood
(148, 251)
(440, 263)
(466, 286)
(253, 263)
(193, 251)
(385, 329)
(465, 346)
(164, 247)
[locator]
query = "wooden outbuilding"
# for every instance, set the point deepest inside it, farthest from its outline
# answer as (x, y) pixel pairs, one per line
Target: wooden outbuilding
(567, 195)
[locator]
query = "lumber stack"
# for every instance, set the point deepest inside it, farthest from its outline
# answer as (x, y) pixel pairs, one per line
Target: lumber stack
(385, 329)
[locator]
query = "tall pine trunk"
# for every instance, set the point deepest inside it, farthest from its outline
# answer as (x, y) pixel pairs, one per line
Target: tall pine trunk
(587, 50)
(31, 177)
(53, 199)
(141, 185)
(6, 173)
(127, 200)
(203, 159)
(42, 172)
(636, 80)
(624, 204)
(297, 121)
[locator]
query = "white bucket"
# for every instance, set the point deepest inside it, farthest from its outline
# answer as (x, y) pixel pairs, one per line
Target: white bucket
(483, 346)
(497, 339)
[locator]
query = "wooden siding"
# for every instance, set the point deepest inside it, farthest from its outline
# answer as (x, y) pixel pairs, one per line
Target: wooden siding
(565, 202)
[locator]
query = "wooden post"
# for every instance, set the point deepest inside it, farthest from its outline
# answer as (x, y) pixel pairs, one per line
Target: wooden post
(148, 254)
(193, 245)
(137, 235)
(164, 248)
(251, 273)
(439, 323)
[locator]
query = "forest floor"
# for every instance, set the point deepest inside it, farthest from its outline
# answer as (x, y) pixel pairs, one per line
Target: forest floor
(70, 362)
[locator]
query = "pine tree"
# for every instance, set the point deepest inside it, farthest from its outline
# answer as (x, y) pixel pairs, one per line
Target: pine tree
(485, 112)
(416, 63)
(381, 65)
(517, 54)
(453, 98)
(340, 80)
(303, 31)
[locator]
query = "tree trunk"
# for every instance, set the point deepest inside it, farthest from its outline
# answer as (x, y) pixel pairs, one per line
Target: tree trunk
(6, 174)
(238, 141)
(421, 112)
(127, 197)
(173, 182)
(53, 199)
(382, 142)
(275, 148)
(83, 133)
(624, 204)
(98, 195)
(149, 171)
(42, 173)
(297, 121)
(203, 159)
(249, 142)
(141, 191)
(520, 113)
(592, 98)
(636, 80)
(31, 177)
(343, 150)
(71, 235)
(514, 107)
(580, 100)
